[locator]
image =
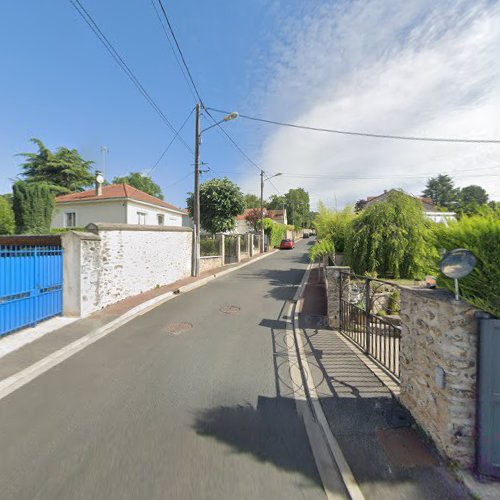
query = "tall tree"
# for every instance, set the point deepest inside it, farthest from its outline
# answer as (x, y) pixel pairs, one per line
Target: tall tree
(33, 205)
(473, 194)
(471, 199)
(442, 191)
(64, 171)
(220, 202)
(7, 222)
(390, 238)
(252, 201)
(142, 182)
(276, 202)
(297, 207)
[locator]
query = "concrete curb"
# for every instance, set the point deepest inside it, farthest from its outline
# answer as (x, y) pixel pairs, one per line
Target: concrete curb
(323, 429)
(16, 381)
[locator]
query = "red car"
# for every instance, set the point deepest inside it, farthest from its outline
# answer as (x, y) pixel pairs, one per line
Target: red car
(287, 244)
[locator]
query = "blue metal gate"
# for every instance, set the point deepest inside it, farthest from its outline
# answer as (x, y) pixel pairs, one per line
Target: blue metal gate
(31, 279)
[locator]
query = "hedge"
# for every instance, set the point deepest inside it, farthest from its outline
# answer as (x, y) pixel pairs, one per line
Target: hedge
(209, 247)
(481, 235)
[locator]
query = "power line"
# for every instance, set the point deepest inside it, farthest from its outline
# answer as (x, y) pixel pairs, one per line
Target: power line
(183, 71)
(180, 52)
(123, 65)
(364, 134)
(170, 143)
(352, 178)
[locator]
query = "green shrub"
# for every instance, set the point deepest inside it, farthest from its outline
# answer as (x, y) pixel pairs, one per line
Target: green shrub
(391, 239)
(275, 232)
(333, 225)
(209, 247)
(33, 205)
(481, 235)
(7, 223)
(321, 249)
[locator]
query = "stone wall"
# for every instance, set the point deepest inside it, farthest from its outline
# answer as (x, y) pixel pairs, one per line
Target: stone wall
(114, 261)
(333, 286)
(210, 263)
(438, 362)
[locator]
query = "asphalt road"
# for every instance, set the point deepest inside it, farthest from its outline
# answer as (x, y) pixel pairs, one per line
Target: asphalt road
(158, 410)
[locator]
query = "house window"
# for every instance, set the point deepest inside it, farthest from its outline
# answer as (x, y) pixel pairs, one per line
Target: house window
(161, 219)
(141, 218)
(70, 219)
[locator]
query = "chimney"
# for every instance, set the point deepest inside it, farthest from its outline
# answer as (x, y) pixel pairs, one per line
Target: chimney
(99, 179)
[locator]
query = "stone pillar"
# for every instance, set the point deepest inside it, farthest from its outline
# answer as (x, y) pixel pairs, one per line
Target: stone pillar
(250, 245)
(334, 284)
(238, 249)
(74, 268)
(438, 364)
(222, 247)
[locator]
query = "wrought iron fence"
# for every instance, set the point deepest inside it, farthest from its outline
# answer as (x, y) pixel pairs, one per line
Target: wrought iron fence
(370, 318)
(256, 242)
(244, 243)
(209, 246)
(230, 249)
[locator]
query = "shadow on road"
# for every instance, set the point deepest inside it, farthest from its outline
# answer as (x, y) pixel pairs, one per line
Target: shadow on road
(272, 433)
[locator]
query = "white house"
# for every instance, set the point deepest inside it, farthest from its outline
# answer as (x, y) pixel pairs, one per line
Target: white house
(431, 211)
(114, 203)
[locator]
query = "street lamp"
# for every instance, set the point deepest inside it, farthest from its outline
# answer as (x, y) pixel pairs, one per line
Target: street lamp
(195, 268)
(262, 180)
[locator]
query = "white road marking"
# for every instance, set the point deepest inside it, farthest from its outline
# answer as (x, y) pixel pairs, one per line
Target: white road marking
(21, 378)
(327, 453)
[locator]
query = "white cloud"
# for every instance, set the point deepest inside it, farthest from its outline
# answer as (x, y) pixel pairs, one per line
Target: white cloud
(417, 67)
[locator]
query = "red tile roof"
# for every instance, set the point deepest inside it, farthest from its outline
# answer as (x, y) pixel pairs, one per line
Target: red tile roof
(272, 214)
(117, 191)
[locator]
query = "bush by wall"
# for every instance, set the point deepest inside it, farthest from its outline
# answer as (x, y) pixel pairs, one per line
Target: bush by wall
(274, 231)
(332, 225)
(33, 205)
(209, 247)
(7, 224)
(481, 235)
(391, 239)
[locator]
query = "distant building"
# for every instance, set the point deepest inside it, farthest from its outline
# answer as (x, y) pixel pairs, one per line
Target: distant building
(114, 203)
(243, 226)
(431, 210)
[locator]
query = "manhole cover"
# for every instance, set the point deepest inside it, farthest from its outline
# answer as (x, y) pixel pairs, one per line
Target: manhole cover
(176, 328)
(230, 309)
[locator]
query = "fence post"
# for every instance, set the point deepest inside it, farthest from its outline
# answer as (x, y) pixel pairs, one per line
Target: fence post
(250, 245)
(238, 249)
(336, 278)
(222, 248)
(367, 315)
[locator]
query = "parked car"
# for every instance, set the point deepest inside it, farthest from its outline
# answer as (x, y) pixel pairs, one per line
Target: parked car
(287, 244)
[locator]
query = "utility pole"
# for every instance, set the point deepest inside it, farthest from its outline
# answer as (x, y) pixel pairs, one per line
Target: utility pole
(196, 204)
(262, 211)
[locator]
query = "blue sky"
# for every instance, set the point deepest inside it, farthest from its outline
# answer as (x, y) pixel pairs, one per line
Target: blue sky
(417, 67)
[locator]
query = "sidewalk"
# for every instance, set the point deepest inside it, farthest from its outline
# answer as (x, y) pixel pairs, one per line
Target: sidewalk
(51, 341)
(388, 457)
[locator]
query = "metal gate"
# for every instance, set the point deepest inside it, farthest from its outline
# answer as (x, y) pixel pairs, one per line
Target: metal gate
(230, 249)
(489, 398)
(369, 317)
(31, 279)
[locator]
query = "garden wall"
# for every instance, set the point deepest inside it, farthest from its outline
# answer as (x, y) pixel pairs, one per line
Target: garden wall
(438, 359)
(211, 262)
(111, 262)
